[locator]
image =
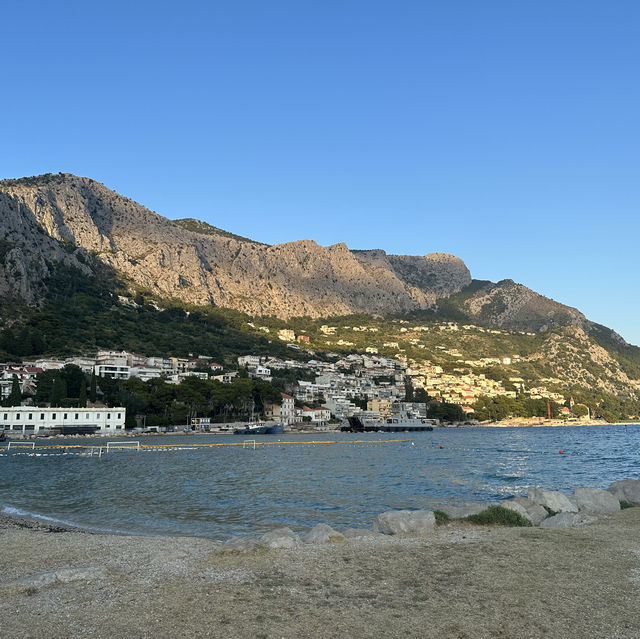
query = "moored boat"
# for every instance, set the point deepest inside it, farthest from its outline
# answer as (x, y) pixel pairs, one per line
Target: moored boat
(275, 429)
(251, 429)
(260, 428)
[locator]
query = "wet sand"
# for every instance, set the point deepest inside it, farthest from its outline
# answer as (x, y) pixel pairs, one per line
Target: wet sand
(459, 582)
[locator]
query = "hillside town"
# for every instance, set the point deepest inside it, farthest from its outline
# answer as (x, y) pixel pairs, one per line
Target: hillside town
(318, 391)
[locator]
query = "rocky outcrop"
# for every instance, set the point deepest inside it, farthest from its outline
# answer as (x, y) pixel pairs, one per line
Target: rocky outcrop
(552, 500)
(627, 490)
(595, 501)
(322, 534)
(507, 304)
(394, 522)
(529, 509)
(282, 537)
(53, 217)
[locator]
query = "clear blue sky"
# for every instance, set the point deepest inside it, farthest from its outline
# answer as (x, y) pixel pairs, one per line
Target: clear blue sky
(504, 132)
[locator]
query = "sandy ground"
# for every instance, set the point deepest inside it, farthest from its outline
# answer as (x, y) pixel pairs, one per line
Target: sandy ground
(460, 582)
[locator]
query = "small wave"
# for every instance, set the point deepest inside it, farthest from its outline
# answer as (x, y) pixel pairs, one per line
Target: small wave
(12, 511)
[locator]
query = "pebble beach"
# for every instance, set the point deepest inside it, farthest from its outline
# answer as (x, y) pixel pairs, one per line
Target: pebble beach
(460, 581)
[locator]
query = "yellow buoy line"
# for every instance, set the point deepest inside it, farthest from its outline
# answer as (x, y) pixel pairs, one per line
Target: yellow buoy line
(31, 450)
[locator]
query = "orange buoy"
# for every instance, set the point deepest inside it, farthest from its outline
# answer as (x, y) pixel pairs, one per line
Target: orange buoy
(131, 457)
(441, 446)
(561, 452)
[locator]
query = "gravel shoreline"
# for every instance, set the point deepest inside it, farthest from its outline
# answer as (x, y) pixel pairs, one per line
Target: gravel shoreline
(461, 581)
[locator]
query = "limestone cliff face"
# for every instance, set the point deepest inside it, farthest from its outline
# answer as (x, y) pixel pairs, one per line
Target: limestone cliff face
(514, 306)
(64, 218)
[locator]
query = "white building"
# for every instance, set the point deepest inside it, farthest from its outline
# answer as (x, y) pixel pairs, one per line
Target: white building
(146, 372)
(287, 409)
(110, 370)
(249, 360)
(261, 372)
(30, 420)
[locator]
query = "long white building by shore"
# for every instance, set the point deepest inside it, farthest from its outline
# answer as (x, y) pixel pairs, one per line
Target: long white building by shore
(30, 420)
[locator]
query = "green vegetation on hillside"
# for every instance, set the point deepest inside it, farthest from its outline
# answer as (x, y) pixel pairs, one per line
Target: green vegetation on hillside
(81, 314)
(197, 226)
(35, 180)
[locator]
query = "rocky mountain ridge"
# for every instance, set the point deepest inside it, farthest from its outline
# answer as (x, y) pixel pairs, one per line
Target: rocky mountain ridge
(68, 218)
(62, 218)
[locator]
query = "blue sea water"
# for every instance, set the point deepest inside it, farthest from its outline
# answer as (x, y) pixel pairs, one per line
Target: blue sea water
(222, 491)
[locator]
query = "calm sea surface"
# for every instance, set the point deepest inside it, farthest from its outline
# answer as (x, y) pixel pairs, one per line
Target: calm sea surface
(222, 491)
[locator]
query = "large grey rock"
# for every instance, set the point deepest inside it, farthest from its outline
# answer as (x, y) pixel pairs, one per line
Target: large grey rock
(561, 520)
(595, 500)
(239, 544)
(322, 534)
(280, 538)
(528, 508)
(627, 489)
(463, 510)
(553, 500)
(394, 522)
(358, 533)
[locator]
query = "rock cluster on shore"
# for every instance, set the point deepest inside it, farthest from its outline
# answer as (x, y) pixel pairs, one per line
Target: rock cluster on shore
(543, 508)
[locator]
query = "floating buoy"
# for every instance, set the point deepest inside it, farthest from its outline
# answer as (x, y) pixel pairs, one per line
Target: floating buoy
(131, 457)
(561, 452)
(441, 446)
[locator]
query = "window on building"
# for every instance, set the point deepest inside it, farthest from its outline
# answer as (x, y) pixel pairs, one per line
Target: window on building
(30, 416)
(53, 416)
(41, 415)
(6, 416)
(86, 416)
(17, 417)
(108, 416)
(64, 416)
(118, 415)
(29, 427)
(76, 415)
(16, 427)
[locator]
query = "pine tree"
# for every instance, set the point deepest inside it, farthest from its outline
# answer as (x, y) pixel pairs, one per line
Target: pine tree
(92, 388)
(58, 391)
(15, 398)
(82, 402)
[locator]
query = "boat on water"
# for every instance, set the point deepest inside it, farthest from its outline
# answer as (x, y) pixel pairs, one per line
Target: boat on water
(276, 429)
(260, 428)
(355, 425)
